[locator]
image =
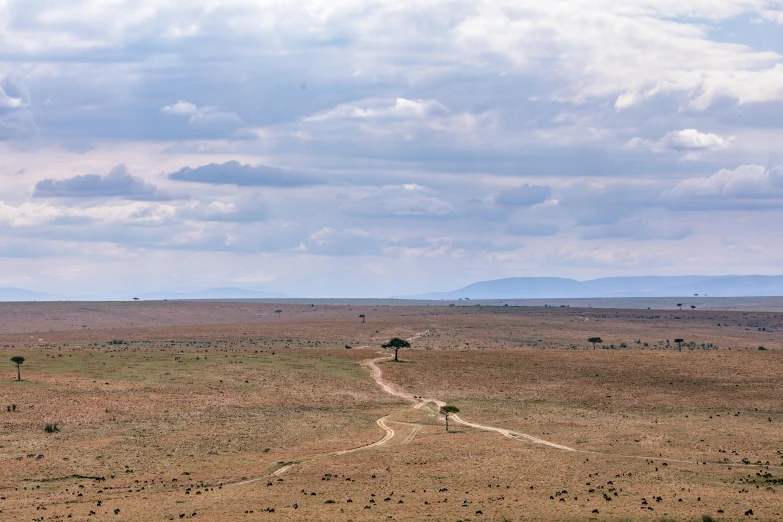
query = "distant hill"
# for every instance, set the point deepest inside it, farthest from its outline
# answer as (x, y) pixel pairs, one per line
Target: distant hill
(20, 294)
(212, 293)
(644, 286)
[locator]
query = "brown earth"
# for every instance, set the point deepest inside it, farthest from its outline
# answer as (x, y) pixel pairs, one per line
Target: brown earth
(225, 411)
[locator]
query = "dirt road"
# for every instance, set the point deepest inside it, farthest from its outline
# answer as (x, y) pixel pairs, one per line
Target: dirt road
(420, 402)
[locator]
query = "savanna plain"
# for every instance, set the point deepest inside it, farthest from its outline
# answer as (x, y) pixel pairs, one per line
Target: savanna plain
(154, 411)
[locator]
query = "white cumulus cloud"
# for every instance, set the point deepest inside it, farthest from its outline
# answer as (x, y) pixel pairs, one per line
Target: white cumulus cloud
(690, 141)
(203, 116)
(181, 108)
(747, 182)
(400, 108)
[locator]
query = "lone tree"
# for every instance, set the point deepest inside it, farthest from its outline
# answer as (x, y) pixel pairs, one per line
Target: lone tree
(361, 317)
(679, 343)
(446, 411)
(595, 340)
(278, 312)
(396, 343)
(679, 305)
(18, 360)
(693, 307)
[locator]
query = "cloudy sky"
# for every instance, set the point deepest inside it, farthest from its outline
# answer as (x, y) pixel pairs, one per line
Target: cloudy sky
(355, 148)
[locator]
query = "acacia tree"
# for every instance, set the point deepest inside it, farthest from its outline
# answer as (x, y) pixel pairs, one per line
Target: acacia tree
(278, 312)
(679, 305)
(18, 360)
(679, 343)
(396, 343)
(446, 411)
(595, 340)
(362, 317)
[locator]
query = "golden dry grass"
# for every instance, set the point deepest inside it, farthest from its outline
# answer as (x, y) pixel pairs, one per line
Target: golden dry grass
(207, 400)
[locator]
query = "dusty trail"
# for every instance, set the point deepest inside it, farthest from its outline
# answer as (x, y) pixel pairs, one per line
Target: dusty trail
(413, 433)
(420, 402)
(386, 438)
(389, 434)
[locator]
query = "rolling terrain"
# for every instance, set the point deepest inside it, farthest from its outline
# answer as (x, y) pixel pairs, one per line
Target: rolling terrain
(233, 411)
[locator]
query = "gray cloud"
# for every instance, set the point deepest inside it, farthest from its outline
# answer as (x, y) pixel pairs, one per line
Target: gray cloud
(472, 245)
(638, 229)
(234, 173)
(533, 229)
(350, 242)
(410, 242)
(117, 183)
(16, 120)
(524, 196)
(608, 204)
(31, 249)
(401, 201)
(240, 209)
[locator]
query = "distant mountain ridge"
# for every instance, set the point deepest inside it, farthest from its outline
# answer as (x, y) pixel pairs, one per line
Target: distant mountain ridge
(508, 288)
(641, 286)
(212, 293)
(10, 294)
(20, 294)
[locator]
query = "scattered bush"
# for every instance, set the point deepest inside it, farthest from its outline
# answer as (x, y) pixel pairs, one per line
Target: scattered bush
(51, 428)
(761, 348)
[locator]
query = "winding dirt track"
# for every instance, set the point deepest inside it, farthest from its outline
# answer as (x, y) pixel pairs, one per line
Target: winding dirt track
(419, 403)
(389, 434)
(386, 438)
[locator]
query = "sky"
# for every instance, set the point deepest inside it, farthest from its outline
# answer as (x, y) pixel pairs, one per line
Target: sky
(391, 147)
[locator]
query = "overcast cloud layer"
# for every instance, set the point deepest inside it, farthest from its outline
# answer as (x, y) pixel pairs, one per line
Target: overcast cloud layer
(353, 148)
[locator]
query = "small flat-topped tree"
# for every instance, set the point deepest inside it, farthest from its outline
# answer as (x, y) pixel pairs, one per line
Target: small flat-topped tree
(595, 340)
(446, 411)
(396, 343)
(18, 360)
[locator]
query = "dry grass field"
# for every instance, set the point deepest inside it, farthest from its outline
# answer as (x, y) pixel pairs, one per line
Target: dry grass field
(233, 411)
